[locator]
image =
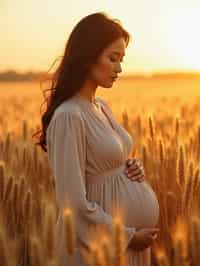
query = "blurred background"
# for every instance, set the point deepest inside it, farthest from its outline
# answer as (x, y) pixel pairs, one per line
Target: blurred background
(164, 33)
(162, 59)
(156, 99)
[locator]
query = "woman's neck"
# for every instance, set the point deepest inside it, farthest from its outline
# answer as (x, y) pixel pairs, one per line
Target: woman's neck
(88, 91)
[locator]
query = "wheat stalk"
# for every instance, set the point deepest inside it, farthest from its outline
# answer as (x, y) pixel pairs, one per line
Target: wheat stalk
(151, 128)
(2, 179)
(50, 233)
(181, 167)
(119, 255)
(8, 189)
(162, 258)
(70, 237)
(36, 256)
(161, 151)
(4, 261)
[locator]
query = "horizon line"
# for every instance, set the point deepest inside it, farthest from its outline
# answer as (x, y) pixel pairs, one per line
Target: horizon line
(127, 73)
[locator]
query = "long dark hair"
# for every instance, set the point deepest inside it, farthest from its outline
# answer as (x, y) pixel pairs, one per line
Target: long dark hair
(88, 39)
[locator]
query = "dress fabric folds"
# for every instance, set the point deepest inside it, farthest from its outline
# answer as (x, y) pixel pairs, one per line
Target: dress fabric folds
(87, 149)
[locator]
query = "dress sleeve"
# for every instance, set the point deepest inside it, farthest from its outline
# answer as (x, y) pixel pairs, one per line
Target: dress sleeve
(66, 146)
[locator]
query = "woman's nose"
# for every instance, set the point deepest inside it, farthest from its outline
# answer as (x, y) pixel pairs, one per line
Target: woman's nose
(119, 69)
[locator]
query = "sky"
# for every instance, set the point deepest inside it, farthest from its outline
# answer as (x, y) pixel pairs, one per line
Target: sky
(165, 33)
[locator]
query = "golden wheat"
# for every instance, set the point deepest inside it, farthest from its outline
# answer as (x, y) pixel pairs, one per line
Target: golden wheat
(119, 256)
(181, 167)
(70, 239)
(168, 144)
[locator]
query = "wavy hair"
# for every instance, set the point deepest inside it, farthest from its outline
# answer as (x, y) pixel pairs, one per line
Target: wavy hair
(88, 39)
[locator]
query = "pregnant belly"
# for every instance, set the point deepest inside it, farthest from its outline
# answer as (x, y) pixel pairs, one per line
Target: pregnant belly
(136, 202)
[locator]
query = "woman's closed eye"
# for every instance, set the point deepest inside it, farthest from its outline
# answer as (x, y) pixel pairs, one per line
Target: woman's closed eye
(115, 60)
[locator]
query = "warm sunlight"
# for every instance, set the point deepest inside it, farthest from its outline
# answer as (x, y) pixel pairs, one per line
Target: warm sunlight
(164, 33)
(184, 37)
(99, 152)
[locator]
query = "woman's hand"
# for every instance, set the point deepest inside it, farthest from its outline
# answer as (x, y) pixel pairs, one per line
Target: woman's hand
(134, 170)
(143, 238)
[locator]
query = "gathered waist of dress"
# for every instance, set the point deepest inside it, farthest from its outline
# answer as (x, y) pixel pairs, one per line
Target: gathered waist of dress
(100, 178)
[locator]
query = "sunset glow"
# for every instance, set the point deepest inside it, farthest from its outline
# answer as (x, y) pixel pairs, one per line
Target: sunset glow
(184, 37)
(164, 33)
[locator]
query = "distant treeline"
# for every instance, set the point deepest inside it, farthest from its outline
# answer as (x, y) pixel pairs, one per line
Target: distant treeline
(12, 75)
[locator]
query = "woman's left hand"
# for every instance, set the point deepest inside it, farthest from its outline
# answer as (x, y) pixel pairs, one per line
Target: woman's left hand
(134, 170)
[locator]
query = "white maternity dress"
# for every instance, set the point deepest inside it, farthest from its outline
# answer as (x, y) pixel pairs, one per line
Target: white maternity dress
(87, 149)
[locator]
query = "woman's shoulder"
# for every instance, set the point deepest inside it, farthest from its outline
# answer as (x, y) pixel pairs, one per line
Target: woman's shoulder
(68, 107)
(66, 110)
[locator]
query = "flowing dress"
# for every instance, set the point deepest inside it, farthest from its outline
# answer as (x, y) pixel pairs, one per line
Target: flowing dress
(87, 149)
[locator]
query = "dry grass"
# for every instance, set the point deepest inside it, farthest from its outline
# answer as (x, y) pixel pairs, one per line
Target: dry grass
(162, 117)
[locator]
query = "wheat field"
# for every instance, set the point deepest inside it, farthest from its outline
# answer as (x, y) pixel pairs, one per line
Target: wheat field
(162, 116)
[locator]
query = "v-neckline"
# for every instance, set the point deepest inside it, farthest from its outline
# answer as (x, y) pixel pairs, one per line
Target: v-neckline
(100, 113)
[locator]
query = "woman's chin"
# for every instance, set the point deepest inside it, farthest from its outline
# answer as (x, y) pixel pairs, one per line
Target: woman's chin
(107, 85)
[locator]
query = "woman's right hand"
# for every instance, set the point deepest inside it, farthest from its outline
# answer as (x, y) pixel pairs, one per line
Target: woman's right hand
(143, 238)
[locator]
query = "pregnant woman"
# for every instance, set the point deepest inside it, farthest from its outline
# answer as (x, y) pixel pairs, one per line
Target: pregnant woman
(88, 149)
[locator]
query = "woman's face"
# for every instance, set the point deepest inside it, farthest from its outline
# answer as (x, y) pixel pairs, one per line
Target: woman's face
(107, 67)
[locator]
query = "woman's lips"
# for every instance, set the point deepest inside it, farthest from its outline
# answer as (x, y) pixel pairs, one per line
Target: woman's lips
(113, 78)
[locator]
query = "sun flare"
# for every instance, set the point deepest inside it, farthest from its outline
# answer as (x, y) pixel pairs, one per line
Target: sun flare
(184, 38)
